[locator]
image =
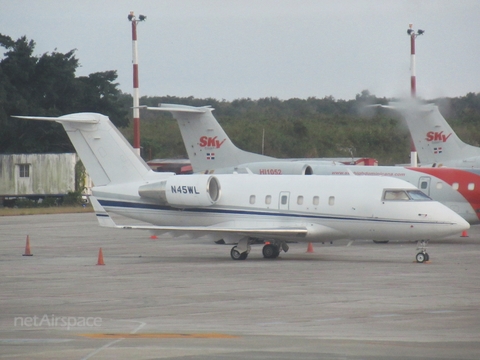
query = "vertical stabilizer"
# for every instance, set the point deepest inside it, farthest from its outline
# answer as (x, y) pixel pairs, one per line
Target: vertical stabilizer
(208, 146)
(105, 153)
(434, 139)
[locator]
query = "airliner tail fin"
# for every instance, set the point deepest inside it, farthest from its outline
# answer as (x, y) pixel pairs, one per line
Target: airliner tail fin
(208, 146)
(105, 153)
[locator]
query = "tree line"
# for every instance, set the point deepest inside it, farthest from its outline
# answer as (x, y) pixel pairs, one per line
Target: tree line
(46, 85)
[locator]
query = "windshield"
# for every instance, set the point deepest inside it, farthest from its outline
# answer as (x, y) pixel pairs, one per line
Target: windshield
(418, 195)
(404, 195)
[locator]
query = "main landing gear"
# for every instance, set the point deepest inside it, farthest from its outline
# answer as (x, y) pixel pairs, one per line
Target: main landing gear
(237, 255)
(422, 256)
(270, 250)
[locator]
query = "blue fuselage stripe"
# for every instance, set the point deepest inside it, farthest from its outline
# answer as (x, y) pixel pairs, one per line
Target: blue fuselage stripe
(131, 205)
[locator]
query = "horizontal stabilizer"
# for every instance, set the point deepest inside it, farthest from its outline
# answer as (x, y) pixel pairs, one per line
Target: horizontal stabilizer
(173, 108)
(88, 118)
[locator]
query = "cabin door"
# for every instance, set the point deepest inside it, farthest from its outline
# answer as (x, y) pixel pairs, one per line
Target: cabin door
(424, 184)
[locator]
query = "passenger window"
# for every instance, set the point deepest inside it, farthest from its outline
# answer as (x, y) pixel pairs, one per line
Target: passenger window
(283, 200)
(471, 186)
(316, 200)
(331, 200)
(300, 200)
(455, 186)
(268, 199)
(395, 195)
(252, 199)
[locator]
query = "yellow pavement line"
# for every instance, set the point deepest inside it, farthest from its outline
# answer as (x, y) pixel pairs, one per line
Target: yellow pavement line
(160, 336)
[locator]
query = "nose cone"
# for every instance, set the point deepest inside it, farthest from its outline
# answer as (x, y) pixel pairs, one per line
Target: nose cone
(457, 224)
(461, 223)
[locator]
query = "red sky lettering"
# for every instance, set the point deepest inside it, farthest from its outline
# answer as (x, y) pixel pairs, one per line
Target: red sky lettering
(211, 142)
(437, 136)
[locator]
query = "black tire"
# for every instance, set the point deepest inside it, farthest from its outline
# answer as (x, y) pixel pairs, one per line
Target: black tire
(270, 251)
(236, 255)
(421, 257)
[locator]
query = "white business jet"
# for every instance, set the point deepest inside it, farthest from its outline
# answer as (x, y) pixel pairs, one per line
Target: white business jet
(211, 151)
(243, 208)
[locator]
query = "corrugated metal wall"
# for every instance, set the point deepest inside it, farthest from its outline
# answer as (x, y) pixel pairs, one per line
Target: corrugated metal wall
(49, 174)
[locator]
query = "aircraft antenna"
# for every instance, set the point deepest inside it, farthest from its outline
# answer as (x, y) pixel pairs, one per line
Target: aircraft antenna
(136, 93)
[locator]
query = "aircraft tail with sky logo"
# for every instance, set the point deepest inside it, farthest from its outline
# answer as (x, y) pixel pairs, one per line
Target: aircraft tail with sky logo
(205, 140)
(210, 150)
(435, 141)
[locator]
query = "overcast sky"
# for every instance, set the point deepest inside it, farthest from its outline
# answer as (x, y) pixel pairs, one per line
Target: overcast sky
(231, 49)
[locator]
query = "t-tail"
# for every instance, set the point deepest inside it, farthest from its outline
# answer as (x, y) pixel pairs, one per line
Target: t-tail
(208, 146)
(435, 141)
(105, 153)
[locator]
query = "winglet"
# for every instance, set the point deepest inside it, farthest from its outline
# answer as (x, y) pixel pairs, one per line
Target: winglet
(102, 216)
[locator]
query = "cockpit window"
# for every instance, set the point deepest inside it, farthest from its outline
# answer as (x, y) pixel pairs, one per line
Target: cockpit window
(395, 195)
(405, 195)
(418, 195)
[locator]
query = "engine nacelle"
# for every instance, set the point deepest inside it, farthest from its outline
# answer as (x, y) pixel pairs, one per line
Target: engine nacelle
(183, 191)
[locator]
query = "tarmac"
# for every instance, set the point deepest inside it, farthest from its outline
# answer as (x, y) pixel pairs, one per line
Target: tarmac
(179, 298)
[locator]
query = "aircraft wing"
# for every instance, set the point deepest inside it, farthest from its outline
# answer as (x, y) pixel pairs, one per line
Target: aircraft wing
(105, 220)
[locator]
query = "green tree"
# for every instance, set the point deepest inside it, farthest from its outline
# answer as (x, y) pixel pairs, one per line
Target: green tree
(47, 86)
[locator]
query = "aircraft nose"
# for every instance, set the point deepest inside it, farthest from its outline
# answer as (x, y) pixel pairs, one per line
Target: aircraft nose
(459, 223)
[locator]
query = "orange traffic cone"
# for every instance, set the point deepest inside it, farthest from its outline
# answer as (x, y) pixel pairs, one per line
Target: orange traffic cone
(464, 233)
(27, 247)
(310, 248)
(100, 257)
(153, 237)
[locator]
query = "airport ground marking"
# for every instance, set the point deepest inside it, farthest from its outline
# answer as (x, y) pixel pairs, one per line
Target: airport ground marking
(159, 336)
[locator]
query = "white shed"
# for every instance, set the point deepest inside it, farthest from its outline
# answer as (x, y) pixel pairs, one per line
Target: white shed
(37, 174)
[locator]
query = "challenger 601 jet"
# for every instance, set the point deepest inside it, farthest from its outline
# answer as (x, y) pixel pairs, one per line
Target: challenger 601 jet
(243, 208)
(211, 151)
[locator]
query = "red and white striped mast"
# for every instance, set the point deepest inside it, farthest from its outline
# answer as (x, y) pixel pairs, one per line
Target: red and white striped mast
(413, 84)
(136, 93)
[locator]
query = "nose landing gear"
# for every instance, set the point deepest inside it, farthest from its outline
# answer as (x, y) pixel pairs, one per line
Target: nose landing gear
(422, 256)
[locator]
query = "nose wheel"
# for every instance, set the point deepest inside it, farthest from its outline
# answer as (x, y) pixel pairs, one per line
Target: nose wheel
(422, 256)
